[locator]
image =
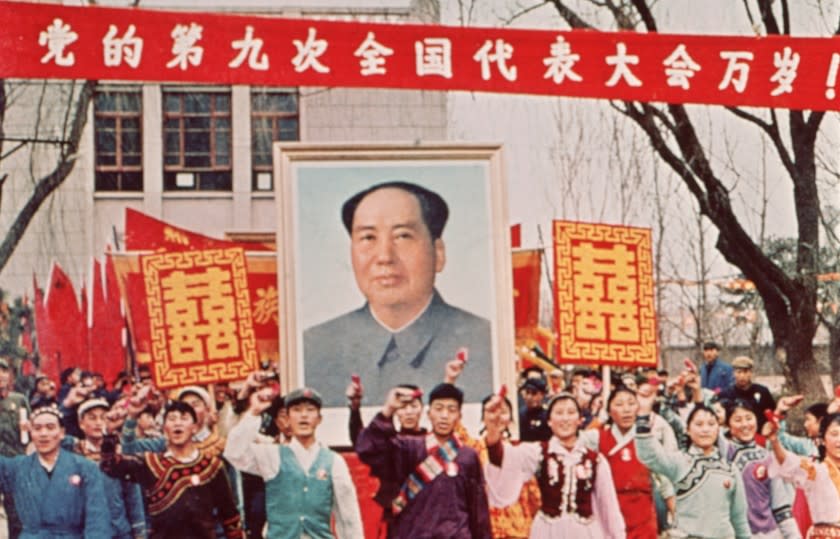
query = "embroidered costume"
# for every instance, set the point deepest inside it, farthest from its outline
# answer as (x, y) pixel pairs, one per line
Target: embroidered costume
(195, 492)
(710, 492)
(821, 483)
(769, 499)
(208, 441)
(512, 506)
(442, 493)
(576, 487)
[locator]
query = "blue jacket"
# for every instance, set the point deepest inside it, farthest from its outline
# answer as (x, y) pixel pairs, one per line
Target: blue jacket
(68, 504)
(716, 375)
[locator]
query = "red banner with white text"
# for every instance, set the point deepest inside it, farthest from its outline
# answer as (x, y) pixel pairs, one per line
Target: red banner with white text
(48, 41)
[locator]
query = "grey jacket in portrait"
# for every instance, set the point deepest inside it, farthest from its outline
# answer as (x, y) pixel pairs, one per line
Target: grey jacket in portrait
(355, 343)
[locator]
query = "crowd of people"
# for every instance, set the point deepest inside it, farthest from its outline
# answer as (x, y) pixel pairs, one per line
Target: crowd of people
(704, 453)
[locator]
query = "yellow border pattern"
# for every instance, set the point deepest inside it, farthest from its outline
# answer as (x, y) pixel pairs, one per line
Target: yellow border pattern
(166, 374)
(571, 349)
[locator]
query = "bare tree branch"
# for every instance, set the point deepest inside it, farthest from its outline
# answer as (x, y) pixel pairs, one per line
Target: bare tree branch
(814, 120)
(647, 16)
(45, 186)
(765, 9)
(2, 184)
(620, 14)
(785, 18)
(522, 12)
(749, 13)
(568, 14)
(772, 130)
(645, 120)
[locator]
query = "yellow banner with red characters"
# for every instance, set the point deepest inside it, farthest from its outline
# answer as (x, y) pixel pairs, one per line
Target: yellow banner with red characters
(603, 289)
(200, 316)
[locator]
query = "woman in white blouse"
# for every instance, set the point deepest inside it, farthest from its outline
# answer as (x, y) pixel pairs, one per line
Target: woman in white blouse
(819, 478)
(576, 486)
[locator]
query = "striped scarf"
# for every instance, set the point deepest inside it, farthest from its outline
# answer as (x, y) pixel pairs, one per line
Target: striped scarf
(441, 458)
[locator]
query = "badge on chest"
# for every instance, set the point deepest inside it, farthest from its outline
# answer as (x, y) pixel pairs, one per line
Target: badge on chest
(626, 455)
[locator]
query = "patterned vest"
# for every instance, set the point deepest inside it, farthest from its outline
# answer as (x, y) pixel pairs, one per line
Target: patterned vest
(173, 478)
(300, 502)
(563, 496)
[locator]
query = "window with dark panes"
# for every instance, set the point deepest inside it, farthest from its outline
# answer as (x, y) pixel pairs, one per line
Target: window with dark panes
(274, 117)
(197, 140)
(117, 118)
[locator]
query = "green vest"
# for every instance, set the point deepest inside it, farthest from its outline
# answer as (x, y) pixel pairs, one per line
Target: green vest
(298, 502)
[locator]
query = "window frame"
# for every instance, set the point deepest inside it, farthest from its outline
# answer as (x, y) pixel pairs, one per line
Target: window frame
(275, 117)
(170, 171)
(119, 116)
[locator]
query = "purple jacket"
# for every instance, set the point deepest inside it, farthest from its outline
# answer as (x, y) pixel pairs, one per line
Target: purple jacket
(450, 507)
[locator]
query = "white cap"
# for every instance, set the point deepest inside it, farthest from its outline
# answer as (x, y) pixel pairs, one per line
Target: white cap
(196, 390)
(91, 404)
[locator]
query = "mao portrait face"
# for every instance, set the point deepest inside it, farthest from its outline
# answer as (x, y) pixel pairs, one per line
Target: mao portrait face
(395, 258)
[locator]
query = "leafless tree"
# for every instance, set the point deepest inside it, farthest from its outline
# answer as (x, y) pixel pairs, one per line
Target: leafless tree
(41, 126)
(790, 299)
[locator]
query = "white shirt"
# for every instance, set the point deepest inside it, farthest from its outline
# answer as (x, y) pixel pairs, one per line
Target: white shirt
(812, 477)
(523, 461)
(262, 459)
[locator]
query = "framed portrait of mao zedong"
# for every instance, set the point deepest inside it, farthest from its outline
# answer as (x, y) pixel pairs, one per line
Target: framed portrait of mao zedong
(392, 258)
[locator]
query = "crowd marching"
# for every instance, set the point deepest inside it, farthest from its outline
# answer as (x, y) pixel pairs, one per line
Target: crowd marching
(705, 453)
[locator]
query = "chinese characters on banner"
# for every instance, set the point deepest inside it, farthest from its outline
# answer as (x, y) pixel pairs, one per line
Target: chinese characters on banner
(604, 294)
(200, 316)
(44, 41)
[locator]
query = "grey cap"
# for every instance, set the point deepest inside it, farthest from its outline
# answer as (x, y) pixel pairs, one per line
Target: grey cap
(742, 362)
(303, 394)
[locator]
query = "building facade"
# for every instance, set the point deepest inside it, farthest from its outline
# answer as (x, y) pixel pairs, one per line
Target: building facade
(198, 156)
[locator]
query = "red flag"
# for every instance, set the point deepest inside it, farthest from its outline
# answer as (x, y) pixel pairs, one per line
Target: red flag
(132, 291)
(526, 289)
(145, 233)
(516, 236)
(46, 343)
(65, 319)
(106, 347)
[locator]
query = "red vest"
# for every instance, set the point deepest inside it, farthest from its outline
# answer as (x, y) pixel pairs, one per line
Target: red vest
(558, 497)
(633, 486)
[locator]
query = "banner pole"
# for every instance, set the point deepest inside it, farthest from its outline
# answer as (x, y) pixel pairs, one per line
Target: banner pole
(605, 380)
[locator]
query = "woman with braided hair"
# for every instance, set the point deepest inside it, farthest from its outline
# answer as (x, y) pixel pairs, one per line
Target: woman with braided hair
(709, 490)
(578, 498)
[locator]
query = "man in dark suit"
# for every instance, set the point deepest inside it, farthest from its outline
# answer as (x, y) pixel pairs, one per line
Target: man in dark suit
(744, 389)
(405, 331)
